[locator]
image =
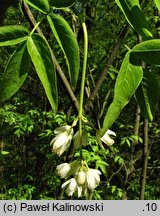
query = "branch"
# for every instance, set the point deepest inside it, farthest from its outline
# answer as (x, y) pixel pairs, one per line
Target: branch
(145, 160)
(106, 68)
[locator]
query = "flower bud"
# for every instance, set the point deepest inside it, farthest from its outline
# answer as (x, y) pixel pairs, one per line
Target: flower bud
(81, 177)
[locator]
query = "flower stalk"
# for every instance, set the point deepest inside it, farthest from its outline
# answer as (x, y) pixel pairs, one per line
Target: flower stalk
(80, 114)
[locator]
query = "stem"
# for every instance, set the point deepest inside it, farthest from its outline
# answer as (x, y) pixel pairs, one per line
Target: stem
(1, 166)
(35, 27)
(29, 16)
(145, 160)
(80, 114)
(133, 158)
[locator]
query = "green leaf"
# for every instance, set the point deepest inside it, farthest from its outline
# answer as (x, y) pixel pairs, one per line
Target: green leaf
(129, 78)
(15, 73)
(157, 2)
(147, 51)
(68, 43)
(135, 17)
(40, 54)
(148, 94)
(102, 165)
(41, 5)
(61, 3)
(11, 35)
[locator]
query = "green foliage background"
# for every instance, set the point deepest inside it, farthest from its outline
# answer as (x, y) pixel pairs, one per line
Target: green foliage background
(27, 165)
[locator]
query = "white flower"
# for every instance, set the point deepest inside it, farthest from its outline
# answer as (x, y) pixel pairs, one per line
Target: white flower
(72, 187)
(63, 170)
(106, 138)
(81, 177)
(62, 140)
(93, 178)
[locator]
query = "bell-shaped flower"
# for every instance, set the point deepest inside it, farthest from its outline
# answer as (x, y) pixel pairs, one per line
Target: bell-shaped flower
(62, 140)
(72, 187)
(93, 178)
(81, 177)
(107, 139)
(63, 170)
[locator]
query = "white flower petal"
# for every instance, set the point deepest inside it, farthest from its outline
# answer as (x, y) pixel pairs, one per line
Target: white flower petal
(91, 183)
(65, 183)
(79, 188)
(106, 138)
(63, 170)
(109, 132)
(71, 187)
(94, 171)
(72, 184)
(60, 150)
(61, 139)
(93, 179)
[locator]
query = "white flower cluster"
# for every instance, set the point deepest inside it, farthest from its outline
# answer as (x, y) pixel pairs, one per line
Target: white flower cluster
(84, 178)
(61, 142)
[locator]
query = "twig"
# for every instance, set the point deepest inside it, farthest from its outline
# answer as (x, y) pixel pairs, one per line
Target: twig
(106, 68)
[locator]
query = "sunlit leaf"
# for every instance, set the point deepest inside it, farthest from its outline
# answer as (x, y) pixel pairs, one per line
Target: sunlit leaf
(41, 5)
(68, 43)
(11, 35)
(42, 60)
(147, 51)
(129, 78)
(135, 16)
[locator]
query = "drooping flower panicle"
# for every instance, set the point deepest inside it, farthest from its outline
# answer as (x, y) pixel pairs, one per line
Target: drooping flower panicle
(82, 180)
